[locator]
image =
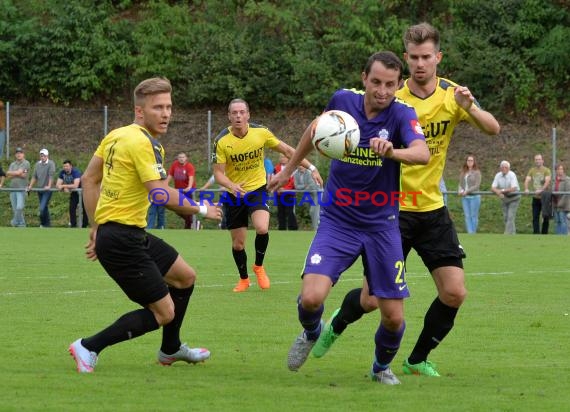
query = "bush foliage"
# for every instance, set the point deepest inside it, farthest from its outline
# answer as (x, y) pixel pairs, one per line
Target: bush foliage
(289, 53)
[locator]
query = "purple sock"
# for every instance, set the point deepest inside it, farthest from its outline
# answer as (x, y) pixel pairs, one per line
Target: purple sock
(387, 345)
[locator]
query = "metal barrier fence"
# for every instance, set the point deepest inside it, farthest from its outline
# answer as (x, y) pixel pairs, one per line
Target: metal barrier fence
(53, 189)
(72, 130)
(219, 190)
(64, 130)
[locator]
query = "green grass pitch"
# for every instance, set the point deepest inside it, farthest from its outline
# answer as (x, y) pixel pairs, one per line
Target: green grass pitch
(509, 350)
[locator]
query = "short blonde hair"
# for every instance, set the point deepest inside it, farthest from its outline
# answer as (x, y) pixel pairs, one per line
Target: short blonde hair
(237, 101)
(149, 87)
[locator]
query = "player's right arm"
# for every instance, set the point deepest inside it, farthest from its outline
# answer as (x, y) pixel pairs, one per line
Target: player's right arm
(91, 184)
(221, 179)
(174, 200)
(304, 147)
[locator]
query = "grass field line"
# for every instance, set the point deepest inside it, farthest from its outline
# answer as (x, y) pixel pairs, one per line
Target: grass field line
(224, 285)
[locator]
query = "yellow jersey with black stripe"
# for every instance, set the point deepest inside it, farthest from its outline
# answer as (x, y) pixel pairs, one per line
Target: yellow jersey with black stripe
(131, 157)
(438, 115)
(244, 156)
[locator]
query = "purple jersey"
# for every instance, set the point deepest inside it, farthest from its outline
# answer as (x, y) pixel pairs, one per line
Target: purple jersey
(362, 191)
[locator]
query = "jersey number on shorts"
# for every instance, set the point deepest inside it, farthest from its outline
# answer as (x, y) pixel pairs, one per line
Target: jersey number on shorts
(400, 265)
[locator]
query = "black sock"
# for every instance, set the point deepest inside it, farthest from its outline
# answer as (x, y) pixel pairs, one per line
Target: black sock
(261, 242)
(240, 257)
(350, 311)
(437, 324)
(171, 332)
(128, 326)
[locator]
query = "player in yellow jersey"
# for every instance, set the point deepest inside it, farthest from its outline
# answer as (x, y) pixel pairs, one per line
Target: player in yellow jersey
(123, 177)
(239, 167)
(425, 226)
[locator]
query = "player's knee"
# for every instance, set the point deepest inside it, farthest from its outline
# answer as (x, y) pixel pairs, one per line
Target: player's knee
(454, 297)
(165, 318)
(393, 322)
(368, 303)
(187, 279)
(311, 301)
(181, 277)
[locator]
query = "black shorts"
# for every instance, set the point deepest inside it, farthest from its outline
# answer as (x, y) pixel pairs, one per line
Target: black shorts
(432, 234)
(238, 210)
(136, 260)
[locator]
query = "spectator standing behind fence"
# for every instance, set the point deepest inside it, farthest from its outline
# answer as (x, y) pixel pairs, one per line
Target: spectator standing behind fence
(2, 177)
(68, 180)
(286, 200)
(2, 129)
(184, 176)
(506, 186)
(540, 177)
(43, 174)
(304, 181)
(469, 182)
(561, 203)
(18, 174)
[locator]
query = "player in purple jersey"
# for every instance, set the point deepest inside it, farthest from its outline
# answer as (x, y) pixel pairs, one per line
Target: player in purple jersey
(425, 225)
(389, 135)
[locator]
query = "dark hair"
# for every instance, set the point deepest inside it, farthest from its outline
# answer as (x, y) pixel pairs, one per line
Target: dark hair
(388, 59)
(67, 161)
(420, 33)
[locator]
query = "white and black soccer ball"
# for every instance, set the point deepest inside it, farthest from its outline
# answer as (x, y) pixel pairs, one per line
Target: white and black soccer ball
(335, 134)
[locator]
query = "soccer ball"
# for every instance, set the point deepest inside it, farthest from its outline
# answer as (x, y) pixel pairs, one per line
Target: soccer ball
(335, 134)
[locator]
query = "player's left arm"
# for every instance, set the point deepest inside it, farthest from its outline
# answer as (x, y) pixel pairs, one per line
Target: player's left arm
(484, 120)
(417, 152)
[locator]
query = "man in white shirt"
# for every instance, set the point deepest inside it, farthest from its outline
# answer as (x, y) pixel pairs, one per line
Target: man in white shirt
(506, 186)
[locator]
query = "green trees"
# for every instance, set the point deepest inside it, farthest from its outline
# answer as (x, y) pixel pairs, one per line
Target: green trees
(514, 54)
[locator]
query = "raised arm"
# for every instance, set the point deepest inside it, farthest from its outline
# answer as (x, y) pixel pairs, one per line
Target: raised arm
(484, 120)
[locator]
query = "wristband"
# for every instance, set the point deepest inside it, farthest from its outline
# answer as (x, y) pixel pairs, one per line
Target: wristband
(312, 168)
(203, 210)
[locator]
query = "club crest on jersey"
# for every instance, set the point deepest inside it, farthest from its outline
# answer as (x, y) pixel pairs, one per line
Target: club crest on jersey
(316, 259)
(384, 134)
(416, 127)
